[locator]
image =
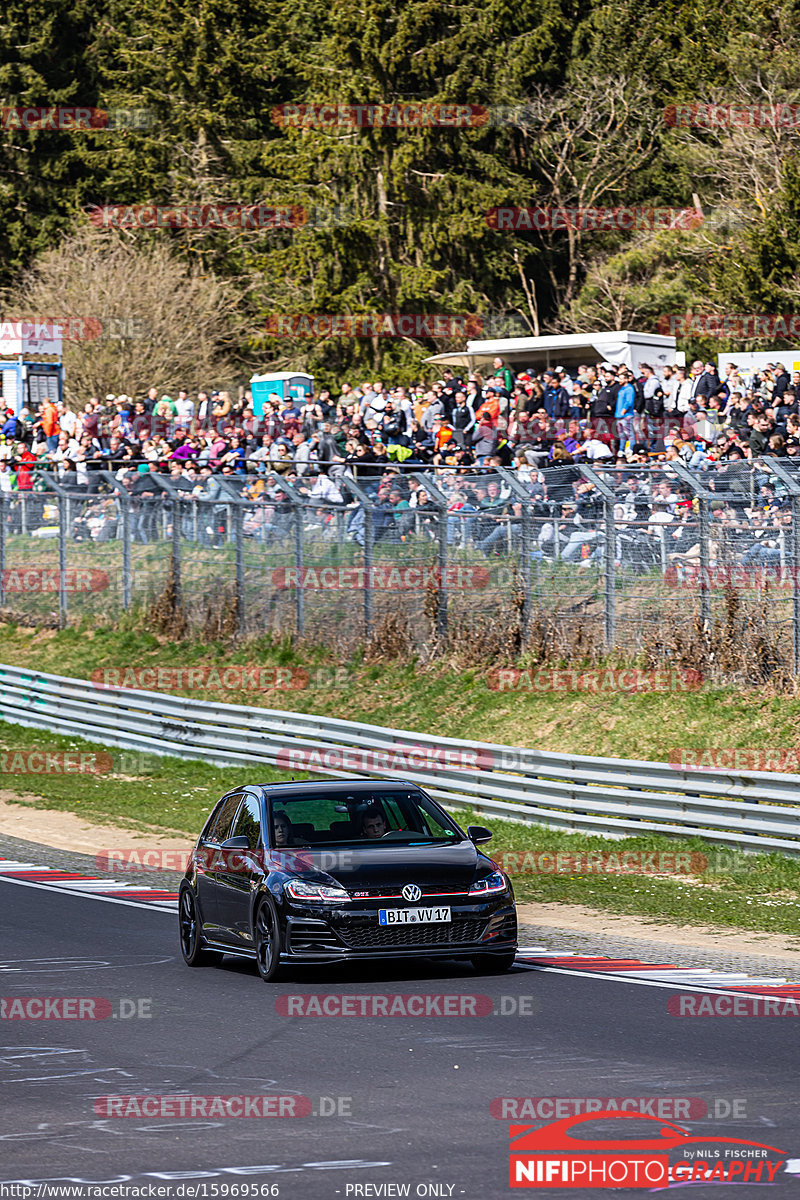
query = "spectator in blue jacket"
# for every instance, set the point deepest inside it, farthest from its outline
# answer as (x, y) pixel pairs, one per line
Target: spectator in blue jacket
(624, 410)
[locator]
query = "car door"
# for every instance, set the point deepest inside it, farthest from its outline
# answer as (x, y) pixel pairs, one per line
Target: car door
(210, 862)
(233, 880)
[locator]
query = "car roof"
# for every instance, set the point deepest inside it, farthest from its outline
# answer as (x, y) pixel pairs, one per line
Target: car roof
(336, 785)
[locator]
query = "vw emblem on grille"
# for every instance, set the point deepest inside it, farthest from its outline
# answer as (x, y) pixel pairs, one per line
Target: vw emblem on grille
(411, 892)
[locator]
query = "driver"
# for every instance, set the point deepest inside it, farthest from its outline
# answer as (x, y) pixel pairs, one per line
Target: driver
(373, 823)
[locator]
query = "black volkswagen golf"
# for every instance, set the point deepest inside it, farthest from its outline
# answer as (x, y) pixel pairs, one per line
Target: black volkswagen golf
(329, 871)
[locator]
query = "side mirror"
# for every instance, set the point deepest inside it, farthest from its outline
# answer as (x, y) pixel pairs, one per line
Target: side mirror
(479, 834)
(237, 843)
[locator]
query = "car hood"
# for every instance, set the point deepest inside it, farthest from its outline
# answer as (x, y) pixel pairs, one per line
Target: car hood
(358, 870)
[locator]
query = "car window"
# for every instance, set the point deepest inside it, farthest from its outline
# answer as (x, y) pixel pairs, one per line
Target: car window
(220, 830)
(248, 822)
(317, 818)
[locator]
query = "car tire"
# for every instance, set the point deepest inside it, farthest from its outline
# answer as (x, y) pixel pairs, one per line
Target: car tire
(267, 942)
(493, 964)
(191, 940)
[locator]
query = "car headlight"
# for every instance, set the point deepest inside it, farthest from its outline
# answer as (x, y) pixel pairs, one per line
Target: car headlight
(496, 882)
(299, 890)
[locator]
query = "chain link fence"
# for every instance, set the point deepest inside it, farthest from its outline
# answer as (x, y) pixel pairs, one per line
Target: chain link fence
(643, 558)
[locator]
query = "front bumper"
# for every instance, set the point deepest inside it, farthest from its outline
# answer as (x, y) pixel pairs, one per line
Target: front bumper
(314, 936)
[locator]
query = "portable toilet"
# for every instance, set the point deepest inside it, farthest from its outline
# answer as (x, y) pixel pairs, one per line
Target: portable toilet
(23, 379)
(290, 385)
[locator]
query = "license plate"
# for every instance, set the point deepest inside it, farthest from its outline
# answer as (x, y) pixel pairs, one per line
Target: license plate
(413, 916)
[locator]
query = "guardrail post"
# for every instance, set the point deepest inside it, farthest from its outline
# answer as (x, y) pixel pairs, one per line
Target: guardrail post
(63, 516)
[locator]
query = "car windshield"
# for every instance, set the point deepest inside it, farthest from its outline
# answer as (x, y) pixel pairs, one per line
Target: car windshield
(323, 818)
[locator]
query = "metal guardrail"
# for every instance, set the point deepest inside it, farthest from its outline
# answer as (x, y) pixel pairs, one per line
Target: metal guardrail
(611, 797)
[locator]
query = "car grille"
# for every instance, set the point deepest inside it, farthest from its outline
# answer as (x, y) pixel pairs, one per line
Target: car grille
(376, 937)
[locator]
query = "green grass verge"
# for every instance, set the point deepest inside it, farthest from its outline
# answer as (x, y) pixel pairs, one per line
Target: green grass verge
(439, 699)
(753, 892)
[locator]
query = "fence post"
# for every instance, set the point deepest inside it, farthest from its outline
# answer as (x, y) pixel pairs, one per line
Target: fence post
(2, 549)
(793, 489)
(524, 496)
(125, 504)
(365, 500)
(176, 552)
(609, 553)
(440, 500)
(703, 497)
(240, 597)
(63, 515)
(300, 598)
(705, 563)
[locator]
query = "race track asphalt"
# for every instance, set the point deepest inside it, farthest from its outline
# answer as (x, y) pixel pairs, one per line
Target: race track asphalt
(410, 1095)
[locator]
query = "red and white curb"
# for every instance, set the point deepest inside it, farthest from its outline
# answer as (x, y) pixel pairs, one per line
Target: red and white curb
(668, 975)
(72, 881)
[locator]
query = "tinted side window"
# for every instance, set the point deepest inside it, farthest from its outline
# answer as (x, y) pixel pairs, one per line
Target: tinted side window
(211, 822)
(220, 830)
(248, 822)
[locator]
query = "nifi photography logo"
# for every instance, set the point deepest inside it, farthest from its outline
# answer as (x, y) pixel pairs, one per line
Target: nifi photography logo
(577, 1152)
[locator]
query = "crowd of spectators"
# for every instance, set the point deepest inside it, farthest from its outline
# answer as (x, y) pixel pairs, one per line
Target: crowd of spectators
(540, 424)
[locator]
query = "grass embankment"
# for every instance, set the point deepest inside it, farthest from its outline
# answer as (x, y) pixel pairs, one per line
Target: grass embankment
(439, 699)
(745, 891)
